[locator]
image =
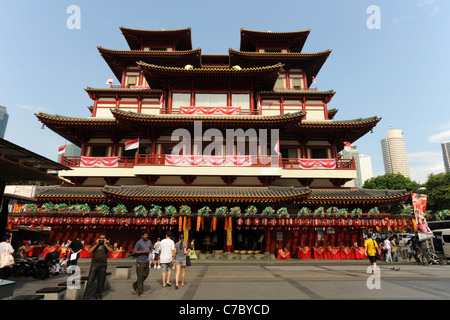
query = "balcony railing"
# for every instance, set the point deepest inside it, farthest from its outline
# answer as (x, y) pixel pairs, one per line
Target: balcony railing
(210, 111)
(200, 161)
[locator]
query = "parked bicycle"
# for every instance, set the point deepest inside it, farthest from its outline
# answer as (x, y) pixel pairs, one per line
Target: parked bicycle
(430, 257)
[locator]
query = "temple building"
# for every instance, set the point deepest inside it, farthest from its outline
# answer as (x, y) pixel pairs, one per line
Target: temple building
(240, 150)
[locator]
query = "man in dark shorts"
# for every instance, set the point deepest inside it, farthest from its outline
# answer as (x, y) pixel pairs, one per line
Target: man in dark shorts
(371, 248)
(99, 263)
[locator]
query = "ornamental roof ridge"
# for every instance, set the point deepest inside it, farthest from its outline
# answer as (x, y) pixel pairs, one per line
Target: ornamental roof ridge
(339, 122)
(276, 32)
(287, 54)
(229, 69)
(360, 193)
(125, 90)
(285, 116)
(149, 52)
(148, 30)
(47, 116)
(299, 92)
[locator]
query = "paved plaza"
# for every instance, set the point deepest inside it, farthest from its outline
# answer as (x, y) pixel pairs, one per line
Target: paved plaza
(273, 280)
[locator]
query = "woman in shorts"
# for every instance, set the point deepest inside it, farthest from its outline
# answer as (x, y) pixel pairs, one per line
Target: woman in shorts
(180, 260)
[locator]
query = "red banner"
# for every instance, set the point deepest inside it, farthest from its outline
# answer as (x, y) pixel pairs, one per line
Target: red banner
(317, 163)
(99, 162)
(210, 110)
(205, 160)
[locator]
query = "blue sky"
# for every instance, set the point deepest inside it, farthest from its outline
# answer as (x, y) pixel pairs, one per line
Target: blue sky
(398, 72)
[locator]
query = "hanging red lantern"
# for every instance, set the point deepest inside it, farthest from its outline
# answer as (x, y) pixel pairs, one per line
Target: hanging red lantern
(248, 221)
(272, 222)
(165, 221)
(156, 221)
(298, 222)
(87, 221)
(357, 222)
(290, 222)
(173, 221)
(264, 221)
(239, 221)
(307, 222)
(256, 222)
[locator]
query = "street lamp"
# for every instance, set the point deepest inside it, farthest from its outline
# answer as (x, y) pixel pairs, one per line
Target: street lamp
(421, 190)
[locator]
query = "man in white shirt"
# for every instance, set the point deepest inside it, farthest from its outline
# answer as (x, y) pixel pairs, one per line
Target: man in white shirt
(167, 258)
(5, 246)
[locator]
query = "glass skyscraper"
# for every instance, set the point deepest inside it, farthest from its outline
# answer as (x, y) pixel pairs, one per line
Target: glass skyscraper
(3, 121)
(446, 155)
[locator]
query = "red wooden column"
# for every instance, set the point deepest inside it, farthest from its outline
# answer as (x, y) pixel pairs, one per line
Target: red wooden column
(267, 237)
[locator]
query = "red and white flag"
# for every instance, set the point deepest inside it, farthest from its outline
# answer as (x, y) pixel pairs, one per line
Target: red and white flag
(110, 81)
(161, 101)
(347, 146)
(62, 149)
(132, 144)
(314, 79)
(277, 147)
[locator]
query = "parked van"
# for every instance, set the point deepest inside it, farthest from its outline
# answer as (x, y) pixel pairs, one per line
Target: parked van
(441, 241)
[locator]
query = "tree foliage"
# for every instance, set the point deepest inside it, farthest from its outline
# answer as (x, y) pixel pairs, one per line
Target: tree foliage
(392, 181)
(438, 191)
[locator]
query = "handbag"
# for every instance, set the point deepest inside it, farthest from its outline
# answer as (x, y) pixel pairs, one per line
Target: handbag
(188, 261)
(7, 259)
(377, 254)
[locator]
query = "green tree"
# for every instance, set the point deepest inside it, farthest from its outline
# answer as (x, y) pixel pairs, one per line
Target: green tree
(438, 191)
(392, 181)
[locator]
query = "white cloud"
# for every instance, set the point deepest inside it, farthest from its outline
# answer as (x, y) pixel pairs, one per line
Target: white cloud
(434, 11)
(30, 108)
(422, 3)
(440, 137)
(422, 164)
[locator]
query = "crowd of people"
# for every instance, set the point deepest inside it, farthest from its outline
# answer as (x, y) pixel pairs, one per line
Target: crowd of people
(390, 249)
(164, 254)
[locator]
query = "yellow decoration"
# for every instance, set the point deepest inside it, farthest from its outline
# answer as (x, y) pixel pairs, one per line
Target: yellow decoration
(415, 224)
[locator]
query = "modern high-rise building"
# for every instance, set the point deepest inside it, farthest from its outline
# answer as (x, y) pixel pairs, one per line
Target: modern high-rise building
(363, 164)
(446, 155)
(71, 151)
(394, 153)
(3, 121)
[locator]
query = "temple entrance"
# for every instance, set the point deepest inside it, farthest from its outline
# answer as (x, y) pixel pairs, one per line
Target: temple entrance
(248, 239)
(209, 239)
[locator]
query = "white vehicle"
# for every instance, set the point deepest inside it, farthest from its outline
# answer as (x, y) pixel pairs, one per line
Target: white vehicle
(441, 241)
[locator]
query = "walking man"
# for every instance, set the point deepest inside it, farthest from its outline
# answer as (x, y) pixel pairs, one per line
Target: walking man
(141, 250)
(99, 263)
(167, 258)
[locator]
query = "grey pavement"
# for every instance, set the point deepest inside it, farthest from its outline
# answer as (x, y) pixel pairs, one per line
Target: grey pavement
(266, 280)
